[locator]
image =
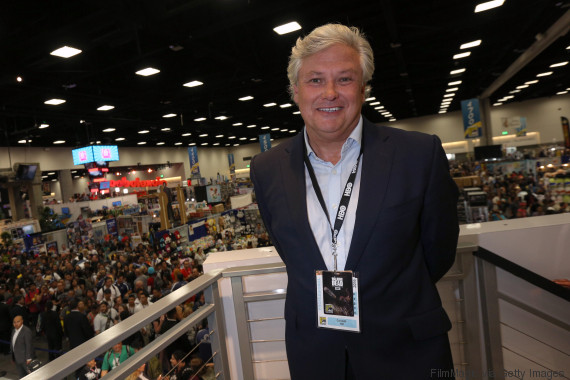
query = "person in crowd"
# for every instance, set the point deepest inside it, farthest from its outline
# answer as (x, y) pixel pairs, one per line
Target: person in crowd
(372, 204)
(19, 308)
(90, 371)
(115, 356)
(114, 291)
(76, 325)
(179, 369)
(5, 326)
(51, 326)
(105, 319)
(22, 348)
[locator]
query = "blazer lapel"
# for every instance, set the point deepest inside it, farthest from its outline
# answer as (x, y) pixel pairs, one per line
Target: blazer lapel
(293, 174)
(376, 168)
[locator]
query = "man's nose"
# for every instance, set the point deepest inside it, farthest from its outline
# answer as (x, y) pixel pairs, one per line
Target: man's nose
(330, 91)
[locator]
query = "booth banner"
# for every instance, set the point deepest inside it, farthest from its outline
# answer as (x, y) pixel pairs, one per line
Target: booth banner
(265, 142)
(112, 227)
(213, 193)
(472, 125)
(194, 165)
(51, 248)
(232, 163)
(565, 131)
(515, 125)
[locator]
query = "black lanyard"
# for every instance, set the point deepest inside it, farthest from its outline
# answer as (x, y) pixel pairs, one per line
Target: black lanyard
(344, 200)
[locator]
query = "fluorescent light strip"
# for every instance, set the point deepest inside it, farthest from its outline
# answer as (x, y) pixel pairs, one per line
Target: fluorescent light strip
(374, 103)
(470, 44)
(488, 5)
(65, 52)
(370, 99)
(531, 81)
(109, 130)
(168, 115)
(544, 74)
(457, 82)
(105, 108)
(200, 119)
(54, 102)
(286, 105)
(458, 71)
(462, 55)
(452, 89)
(147, 72)
(143, 131)
(194, 83)
(287, 28)
(42, 126)
(186, 134)
(559, 64)
(221, 117)
(237, 124)
(141, 143)
(245, 98)
(270, 104)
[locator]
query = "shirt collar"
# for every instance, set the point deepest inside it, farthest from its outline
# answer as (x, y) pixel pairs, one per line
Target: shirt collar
(355, 137)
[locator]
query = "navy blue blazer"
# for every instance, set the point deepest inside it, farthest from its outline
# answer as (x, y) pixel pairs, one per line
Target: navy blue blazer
(404, 240)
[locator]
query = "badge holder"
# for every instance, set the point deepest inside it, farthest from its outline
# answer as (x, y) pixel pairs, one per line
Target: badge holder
(338, 300)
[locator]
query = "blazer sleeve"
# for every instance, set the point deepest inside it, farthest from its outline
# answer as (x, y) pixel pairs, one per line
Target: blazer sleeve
(28, 344)
(439, 222)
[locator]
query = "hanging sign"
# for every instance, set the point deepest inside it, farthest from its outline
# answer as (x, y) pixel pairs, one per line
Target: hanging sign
(194, 165)
(265, 142)
(471, 118)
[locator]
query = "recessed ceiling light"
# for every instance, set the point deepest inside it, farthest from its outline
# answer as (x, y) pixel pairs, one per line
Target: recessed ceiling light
(178, 143)
(59, 142)
(374, 103)
(109, 130)
(253, 139)
(216, 144)
(186, 134)
(227, 145)
(105, 108)
(65, 52)
(221, 117)
(286, 105)
(22, 141)
(514, 91)
(443, 111)
(141, 143)
(457, 82)
(168, 115)
(236, 144)
(219, 136)
(379, 108)
(192, 144)
(283, 130)
(73, 171)
(251, 126)
(531, 81)
(165, 129)
(160, 143)
(243, 99)
(194, 83)
(392, 119)
(266, 127)
(237, 124)
(544, 74)
(275, 129)
(144, 131)
(449, 95)
(148, 71)
(287, 28)
(292, 131)
(120, 139)
(497, 104)
(204, 144)
(297, 113)
(42, 126)
(270, 104)
(561, 92)
(200, 119)
(458, 71)
(488, 5)
(370, 99)
(243, 138)
(522, 86)
(462, 55)
(470, 44)
(231, 137)
(204, 135)
(54, 102)
(452, 89)
(559, 64)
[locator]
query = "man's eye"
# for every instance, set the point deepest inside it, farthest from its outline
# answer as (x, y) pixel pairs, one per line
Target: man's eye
(315, 80)
(345, 79)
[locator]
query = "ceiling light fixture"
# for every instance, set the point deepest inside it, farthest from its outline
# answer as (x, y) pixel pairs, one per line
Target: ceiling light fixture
(470, 44)
(120, 139)
(457, 82)
(452, 89)
(219, 136)
(245, 98)
(178, 143)
(251, 126)
(204, 144)
(531, 81)
(561, 92)
(42, 126)
(559, 64)
(109, 130)
(237, 124)
(297, 113)
(160, 143)
(462, 55)
(186, 134)
(165, 129)
(286, 105)
(270, 104)
(200, 119)
(265, 127)
(544, 74)
(287, 28)
(192, 144)
(522, 86)
(216, 144)
(221, 117)
(458, 71)
(231, 137)
(274, 129)
(243, 138)
(203, 135)
(370, 99)
(105, 108)
(59, 142)
(148, 71)
(168, 115)
(374, 103)
(141, 143)
(194, 83)
(54, 102)
(143, 131)
(488, 5)
(65, 52)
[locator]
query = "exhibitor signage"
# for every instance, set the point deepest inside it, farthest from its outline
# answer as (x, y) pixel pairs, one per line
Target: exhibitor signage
(123, 182)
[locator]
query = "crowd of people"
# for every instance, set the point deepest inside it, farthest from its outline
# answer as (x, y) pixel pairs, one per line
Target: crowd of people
(69, 297)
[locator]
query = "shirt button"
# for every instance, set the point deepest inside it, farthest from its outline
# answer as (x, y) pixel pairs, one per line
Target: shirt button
(334, 171)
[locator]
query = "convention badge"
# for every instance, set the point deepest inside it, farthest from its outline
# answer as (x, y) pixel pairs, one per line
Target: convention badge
(338, 300)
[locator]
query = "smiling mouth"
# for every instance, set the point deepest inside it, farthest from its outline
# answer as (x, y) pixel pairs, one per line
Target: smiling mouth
(330, 109)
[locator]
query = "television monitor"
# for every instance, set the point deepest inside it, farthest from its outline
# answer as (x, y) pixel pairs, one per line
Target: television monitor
(488, 152)
(97, 169)
(26, 172)
(105, 153)
(28, 229)
(65, 210)
(116, 204)
(104, 185)
(82, 155)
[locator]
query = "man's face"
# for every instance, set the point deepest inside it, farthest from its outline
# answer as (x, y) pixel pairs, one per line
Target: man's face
(143, 299)
(330, 92)
(102, 308)
(18, 322)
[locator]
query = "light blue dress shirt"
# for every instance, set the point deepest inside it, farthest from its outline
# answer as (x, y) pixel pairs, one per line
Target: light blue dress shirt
(332, 180)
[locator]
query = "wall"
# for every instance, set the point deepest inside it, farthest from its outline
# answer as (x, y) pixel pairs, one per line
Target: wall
(543, 116)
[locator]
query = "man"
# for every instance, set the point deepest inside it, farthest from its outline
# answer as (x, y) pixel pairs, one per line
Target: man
(5, 327)
(22, 349)
(108, 285)
(106, 318)
(51, 326)
(115, 356)
(388, 195)
(76, 325)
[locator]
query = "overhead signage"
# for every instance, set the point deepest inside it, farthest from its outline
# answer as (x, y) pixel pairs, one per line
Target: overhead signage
(565, 131)
(472, 125)
(105, 153)
(82, 155)
(194, 165)
(515, 125)
(123, 182)
(265, 142)
(232, 164)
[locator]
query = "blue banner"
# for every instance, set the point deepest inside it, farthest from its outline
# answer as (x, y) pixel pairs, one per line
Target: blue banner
(265, 142)
(112, 227)
(194, 165)
(471, 118)
(521, 129)
(232, 163)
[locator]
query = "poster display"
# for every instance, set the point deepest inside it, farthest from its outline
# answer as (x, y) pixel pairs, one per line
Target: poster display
(472, 124)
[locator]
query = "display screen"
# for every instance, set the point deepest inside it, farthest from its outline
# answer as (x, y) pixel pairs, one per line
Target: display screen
(105, 153)
(29, 229)
(82, 155)
(488, 152)
(26, 172)
(97, 169)
(103, 185)
(116, 204)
